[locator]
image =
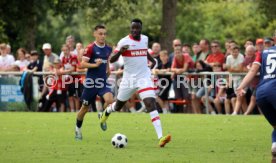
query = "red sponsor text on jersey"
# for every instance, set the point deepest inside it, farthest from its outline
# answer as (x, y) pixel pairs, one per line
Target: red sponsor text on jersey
(135, 53)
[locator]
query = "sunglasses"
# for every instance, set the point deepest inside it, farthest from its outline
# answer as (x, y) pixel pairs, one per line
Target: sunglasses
(214, 46)
(177, 45)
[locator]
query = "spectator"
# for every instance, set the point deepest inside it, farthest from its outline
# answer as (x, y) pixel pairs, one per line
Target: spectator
(227, 47)
(274, 38)
(57, 93)
(176, 44)
(268, 42)
(36, 65)
(245, 67)
(233, 64)
(6, 60)
(196, 50)
(199, 91)
(248, 42)
(181, 63)
(49, 57)
(259, 46)
(154, 52)
(21, 63)
(69, 64)
(216, 58)
(186, 48)
(165, 83)
(247, 64)
(204, 46)
(70, 41)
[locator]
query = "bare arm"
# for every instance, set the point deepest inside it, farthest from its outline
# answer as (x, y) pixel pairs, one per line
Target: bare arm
(248, 78)
(151, 60)
(115, 56)
(85, 64)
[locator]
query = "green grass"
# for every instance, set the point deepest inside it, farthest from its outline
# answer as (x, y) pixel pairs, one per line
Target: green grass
(49, 137)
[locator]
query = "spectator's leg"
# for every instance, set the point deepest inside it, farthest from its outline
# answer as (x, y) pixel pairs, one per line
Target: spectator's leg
(251, 106)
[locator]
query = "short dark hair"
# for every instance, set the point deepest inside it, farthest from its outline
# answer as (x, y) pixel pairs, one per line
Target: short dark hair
(136, 20)
(99, 26)
(34, 52)
(215, 42)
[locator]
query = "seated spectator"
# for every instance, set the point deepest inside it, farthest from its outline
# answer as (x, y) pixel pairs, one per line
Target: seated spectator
(6, 60)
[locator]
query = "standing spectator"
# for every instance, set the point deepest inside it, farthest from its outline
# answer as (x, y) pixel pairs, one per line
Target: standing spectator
(69, 64)
(245, 67)
(57, 93)
(181, 63)
(36, 66)
(233, 64)
(154, 52)
(165, 83)
(49, 57)
(70, 41)
(204, 46)
(6, 60)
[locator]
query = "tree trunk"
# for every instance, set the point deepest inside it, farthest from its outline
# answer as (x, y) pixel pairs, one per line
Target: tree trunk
(31, 26)
(168, 24)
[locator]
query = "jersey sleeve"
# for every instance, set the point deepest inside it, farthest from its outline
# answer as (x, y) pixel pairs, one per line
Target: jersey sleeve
(258, 59)
(121, 43)
(88, 51)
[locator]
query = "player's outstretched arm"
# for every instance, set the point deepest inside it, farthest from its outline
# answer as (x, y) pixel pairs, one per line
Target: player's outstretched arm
(115, 56)
(248, 78)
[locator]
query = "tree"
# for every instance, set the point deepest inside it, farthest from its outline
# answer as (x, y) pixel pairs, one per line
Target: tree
(168, 27)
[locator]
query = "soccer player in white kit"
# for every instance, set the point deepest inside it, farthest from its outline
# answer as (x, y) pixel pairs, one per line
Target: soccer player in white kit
(136, 77)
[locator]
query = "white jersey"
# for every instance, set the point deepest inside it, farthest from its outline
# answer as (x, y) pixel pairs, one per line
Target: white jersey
(135, 57)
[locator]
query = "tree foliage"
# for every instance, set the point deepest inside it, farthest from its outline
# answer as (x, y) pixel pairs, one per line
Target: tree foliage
(30, 23)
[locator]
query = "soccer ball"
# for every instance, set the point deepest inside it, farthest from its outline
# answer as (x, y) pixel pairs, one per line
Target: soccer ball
(119, 141)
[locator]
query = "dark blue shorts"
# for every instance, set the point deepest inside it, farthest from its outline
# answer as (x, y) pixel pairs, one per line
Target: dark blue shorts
(266, 100)
(90, 94)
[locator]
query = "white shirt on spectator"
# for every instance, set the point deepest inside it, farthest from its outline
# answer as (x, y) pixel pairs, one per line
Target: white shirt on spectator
(234, 62)
(6, 61)
(21, 64)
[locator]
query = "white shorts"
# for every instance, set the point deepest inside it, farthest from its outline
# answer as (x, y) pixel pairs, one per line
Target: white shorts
(143, 86)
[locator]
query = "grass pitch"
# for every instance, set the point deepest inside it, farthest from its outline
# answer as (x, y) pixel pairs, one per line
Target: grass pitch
(49, 137)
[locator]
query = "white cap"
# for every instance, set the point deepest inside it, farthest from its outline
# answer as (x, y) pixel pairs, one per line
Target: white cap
(46, 46)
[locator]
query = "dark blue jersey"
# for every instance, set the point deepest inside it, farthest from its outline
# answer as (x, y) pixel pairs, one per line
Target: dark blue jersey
(93, 52)
(267, 61)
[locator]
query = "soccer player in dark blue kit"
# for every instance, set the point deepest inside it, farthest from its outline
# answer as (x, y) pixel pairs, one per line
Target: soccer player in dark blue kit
(95, 59)
(265, 63)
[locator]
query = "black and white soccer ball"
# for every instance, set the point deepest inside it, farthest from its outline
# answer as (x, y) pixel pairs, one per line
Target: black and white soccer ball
(119, 141)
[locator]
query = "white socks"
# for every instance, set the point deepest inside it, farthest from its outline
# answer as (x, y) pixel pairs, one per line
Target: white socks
(110, 108)
(155, 119)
